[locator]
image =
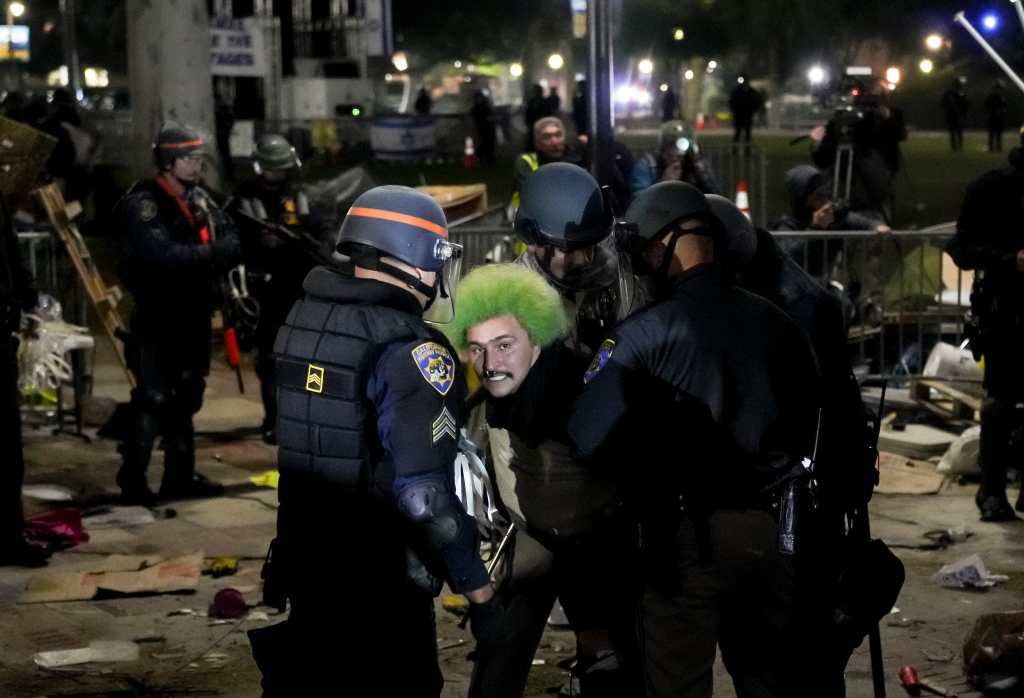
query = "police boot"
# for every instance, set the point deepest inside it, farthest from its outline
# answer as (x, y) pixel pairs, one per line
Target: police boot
(995, 508)
(131, 478)
(191, 486)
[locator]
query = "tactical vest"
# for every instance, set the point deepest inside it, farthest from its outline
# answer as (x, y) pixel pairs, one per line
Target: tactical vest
(323, 355)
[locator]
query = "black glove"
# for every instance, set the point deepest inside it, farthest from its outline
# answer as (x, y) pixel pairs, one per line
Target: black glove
(487, 622)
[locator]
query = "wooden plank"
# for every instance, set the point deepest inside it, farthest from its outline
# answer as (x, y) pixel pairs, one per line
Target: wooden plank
(104, 298)
(953, 402)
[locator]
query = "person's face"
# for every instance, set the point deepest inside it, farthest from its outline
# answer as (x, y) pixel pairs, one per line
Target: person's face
(501, 354)
(551, 142)
(187, 169)
(562, 263)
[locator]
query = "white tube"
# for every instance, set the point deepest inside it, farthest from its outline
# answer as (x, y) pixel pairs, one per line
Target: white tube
(1020, 11)
(989, 50)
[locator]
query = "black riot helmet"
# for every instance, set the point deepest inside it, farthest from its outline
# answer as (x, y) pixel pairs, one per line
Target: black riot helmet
(740, 241)
(407, 225)
(175, 141)
(274, 153)
(657, 207)
(562, 206)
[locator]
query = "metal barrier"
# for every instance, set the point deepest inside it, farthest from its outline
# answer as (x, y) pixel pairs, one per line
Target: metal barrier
(733, 163)
(900, 295)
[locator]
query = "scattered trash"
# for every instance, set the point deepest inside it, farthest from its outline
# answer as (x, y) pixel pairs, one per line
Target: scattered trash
(228, 604)
(113, 517)
(57, 529)
(455, 604)
(962, 456)
(267, 479)
(182, 612)
(995, 645)
(163, 656)
(97, 651)
(258, 617)
(558, 647)
(917, 441)
(899, 474)
(539, 662)
(124, 574)
(914, 684)
(48, 493)
(943, 538)
(968, 573)
(222, 567)
(218, 457)
(901, 621)
(450, 644)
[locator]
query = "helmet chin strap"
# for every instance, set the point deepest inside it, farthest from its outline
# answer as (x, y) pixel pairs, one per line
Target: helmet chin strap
(370, 260)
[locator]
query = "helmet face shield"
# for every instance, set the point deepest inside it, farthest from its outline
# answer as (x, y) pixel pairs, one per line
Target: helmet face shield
(441, 309)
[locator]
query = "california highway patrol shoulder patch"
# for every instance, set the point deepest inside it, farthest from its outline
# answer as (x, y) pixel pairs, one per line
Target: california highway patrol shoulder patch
(147, 210)
(436, 366)
(604, 352)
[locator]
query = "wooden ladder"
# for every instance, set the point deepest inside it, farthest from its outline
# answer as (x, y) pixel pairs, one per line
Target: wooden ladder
(104, 298)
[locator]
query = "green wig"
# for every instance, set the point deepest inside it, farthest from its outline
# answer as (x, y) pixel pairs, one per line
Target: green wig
(494, 290)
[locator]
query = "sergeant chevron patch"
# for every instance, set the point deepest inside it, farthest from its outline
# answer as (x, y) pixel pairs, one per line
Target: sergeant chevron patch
(444, 425)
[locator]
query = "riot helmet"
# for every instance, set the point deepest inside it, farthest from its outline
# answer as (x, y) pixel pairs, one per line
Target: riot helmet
(274, 154)
(175, 141)
(409, 226)
(564, 212)
(740, 241)
(658, 211)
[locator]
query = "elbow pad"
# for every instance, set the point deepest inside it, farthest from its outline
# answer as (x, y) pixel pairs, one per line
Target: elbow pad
(431, 505)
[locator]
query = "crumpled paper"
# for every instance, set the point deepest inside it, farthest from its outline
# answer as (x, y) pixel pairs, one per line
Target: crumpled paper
(968, 573)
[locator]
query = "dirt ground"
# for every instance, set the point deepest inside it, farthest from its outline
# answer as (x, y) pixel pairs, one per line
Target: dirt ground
(188, 654)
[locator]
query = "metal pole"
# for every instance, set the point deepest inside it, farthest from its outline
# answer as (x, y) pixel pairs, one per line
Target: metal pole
(1020, 11)
(989, 50)
(67, 10)
(599, 89)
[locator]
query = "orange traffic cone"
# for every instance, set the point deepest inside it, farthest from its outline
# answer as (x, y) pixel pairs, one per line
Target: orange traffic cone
(470, 159)
(742, 200)
(700, 121)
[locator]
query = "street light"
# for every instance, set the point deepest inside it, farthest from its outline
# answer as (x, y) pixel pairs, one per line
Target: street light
(516, 70)
(400, 61)
(926, 65)
(990, 22)
(688, 75)
(678, 34)
(555, 61)
(933, 42)
(816, 75)
(645, 66)
(16, 9)
(893, 75)
(663, 87)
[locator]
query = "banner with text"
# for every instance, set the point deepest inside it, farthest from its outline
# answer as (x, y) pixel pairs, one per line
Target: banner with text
(236, 48)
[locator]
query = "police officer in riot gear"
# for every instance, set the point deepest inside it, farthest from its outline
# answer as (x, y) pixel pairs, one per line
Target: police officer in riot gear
(566, 222)
(989, 239)
(844, 472)
(175, 245)
(370, 406)
(724, 382)
(276, 267)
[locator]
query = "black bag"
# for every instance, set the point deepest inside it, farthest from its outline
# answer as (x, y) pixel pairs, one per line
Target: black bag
(870, 581)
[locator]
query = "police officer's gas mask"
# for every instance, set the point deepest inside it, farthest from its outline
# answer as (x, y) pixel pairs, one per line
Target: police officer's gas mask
(579, 269)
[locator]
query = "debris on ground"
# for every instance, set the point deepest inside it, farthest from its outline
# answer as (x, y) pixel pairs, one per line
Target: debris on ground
(995, 646)
(968, 573)
(915, 685)
(228, 604)
(899, 474)
(455, 604)
(97, 651)
(267, 479)
(57, 529)
(114, 517)
(449, 644)
(222, 567)
(48, 493)
(962, 456)
(123, 574)
(918, 441)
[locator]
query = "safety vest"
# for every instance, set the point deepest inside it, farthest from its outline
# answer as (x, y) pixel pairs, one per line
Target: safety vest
(533, 161)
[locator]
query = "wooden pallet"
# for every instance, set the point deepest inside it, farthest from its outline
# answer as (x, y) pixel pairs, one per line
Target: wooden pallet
(104, 298)
(951, 403)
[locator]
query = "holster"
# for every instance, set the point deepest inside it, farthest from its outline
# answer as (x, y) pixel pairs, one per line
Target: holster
(869, 583)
